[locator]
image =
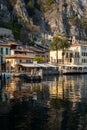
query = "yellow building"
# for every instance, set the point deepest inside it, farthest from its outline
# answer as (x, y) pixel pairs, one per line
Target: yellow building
(13, 61)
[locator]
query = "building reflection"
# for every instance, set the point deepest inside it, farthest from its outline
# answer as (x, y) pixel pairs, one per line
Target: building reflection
(62, 87)
(60, 98)
(67, 87)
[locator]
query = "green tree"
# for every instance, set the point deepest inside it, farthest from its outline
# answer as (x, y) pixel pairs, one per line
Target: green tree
(55, 44)
(84, 24)
(64, 46)
(42, 40)
(38, 59)
(59, 43)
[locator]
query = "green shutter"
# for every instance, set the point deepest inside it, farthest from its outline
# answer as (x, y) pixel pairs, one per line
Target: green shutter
(6, 51)
(1, 50)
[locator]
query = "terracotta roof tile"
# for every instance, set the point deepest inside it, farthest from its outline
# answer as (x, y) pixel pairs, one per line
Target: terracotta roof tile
(20, 56)
(79, 45)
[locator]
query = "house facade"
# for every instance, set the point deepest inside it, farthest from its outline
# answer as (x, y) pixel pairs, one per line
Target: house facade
(79, 54)
(76, 54)
(14, 61)
(4, 51)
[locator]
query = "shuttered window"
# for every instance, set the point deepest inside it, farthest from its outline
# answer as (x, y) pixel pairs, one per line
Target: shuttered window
(6, 51)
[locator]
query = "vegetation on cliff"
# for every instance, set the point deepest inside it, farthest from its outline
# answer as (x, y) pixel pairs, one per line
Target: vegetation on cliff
(14, 27)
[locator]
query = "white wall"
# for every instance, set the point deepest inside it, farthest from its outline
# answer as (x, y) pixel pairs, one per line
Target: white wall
(4, 50)
(53, 56)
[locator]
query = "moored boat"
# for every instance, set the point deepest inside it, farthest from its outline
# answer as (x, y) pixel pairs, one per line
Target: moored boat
(28, 78)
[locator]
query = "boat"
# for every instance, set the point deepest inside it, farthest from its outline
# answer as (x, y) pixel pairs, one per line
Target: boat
(28, 78)
(72, 69)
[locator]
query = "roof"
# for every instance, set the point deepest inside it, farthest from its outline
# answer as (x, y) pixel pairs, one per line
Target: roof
(8, 44)
(38, 50)
(4, 44)
(19, 56)
(23, 50)
(12, 43)
(79, 45)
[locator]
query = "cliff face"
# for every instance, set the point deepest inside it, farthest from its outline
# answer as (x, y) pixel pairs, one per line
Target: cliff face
(5, 15)
(67, 17)
(20, 10)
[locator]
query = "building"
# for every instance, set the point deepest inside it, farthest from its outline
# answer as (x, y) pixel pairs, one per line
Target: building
(76, 55)
(4, 51)
(54, 55)
(14, 61)
(79, 54)
(15, 53)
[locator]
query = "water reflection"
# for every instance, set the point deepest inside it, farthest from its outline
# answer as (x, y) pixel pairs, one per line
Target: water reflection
(57, 103)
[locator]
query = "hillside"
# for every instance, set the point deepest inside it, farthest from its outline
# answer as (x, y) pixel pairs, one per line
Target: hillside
(67, 17)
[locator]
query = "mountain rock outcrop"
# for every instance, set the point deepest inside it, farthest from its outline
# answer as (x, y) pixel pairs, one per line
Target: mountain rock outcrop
(67, 17)
(20, 11)
(5, 15)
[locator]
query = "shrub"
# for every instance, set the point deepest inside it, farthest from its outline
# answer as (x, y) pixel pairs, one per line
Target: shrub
(38, 59)
(14, 27)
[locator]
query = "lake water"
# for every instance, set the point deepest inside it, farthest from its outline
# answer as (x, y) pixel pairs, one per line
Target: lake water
(56, 103)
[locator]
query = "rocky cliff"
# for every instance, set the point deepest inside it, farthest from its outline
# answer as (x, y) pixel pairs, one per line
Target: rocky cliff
(67, 17)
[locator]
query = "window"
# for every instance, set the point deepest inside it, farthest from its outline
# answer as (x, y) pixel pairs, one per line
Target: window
(70, 60)
(83, 61)
(20, 61)
(27, 61)
(66, 55)
(77, 55)
(84, 54)
(84, 48)
(71, 55)
(1, 50)
(6, 51)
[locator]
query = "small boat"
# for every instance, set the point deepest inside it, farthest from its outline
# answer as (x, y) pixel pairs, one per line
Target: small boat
(28, 78)
(73, 69)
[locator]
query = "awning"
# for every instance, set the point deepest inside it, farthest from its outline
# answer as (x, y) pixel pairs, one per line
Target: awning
(38, 65)
(30, 65)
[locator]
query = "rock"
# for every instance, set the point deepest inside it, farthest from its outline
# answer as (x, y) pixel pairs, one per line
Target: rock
(20, 10)
(5, 15)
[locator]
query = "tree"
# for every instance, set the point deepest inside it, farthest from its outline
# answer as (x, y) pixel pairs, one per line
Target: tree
(59, 43)
(64, 46)
(38, 59)
(42, 41)
(55, 44)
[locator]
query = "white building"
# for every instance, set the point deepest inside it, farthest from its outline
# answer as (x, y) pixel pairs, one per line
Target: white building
(76, 54)
(54, 55)
(80, 53)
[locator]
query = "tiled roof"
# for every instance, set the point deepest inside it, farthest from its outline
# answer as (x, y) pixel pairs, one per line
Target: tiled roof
(38, 50)
(12, 43)
(24, 50)
(79, 44)
(20, 56)
(8, 43)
